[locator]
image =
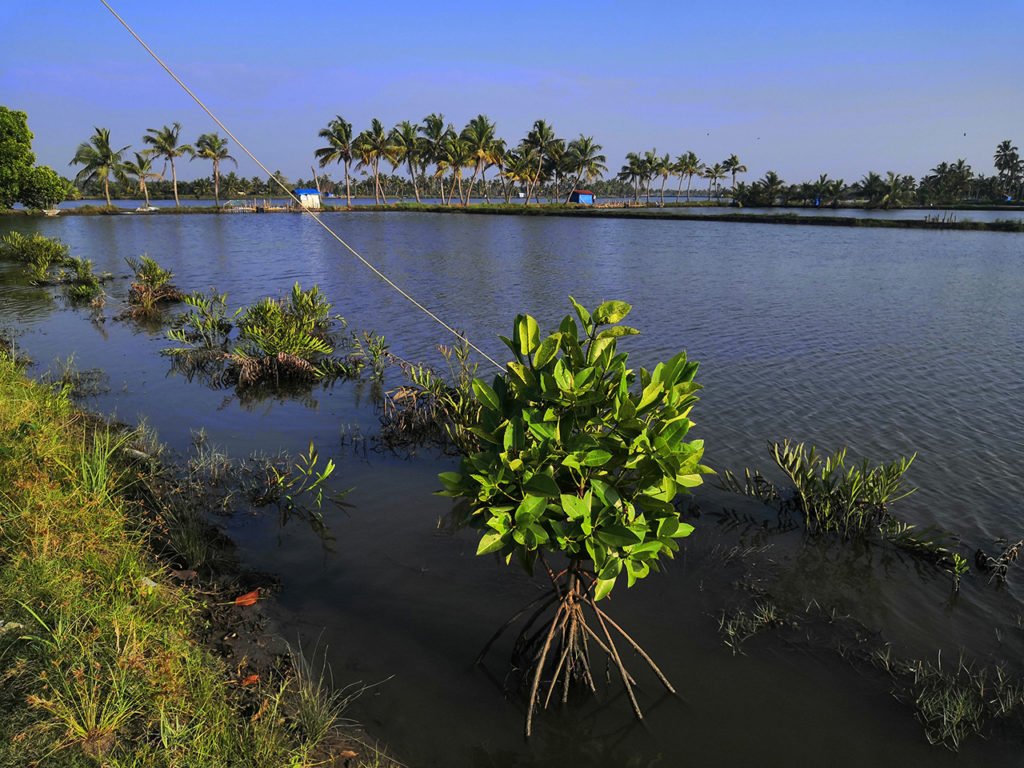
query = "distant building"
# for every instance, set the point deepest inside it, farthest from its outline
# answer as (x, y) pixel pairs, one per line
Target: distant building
(308, 198)
(582, 197)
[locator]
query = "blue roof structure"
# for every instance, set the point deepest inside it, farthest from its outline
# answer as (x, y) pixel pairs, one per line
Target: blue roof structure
(304, 191)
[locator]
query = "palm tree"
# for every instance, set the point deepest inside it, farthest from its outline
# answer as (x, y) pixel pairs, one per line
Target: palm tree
(714, 174)
(871, 187)
(142, 171)
(771, 186)
(733, 165)
(165, 145)
(372, 146)
(408, 148)
(661, 166)
(435, 133)
(100, 161)
(457, 155)
(1008, 164)
(479, 135)
(583, 157)
(631, 173)
(338, 134)
(212, 147)
(688, 165)
(542, 141)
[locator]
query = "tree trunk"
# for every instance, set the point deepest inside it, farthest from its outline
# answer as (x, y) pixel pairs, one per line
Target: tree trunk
(348, 187)
(415, 186)
(663, 180)
(145, 192)
(216, 184)
(472, 181)
(174, 183)
(689, 178)
(106, 189)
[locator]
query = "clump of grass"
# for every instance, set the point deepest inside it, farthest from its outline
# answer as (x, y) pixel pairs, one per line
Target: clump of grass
(151, 290)
(953, 703)
(99, 664)
(37, 253)
(741, 625)
(851, 501)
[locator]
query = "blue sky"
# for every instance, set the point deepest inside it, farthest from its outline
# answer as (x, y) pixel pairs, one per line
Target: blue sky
(800, 88)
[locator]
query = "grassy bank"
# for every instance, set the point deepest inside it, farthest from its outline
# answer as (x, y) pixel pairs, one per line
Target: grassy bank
(99, 658)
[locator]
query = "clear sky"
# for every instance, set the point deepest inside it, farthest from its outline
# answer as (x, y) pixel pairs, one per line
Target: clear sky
(801, 88)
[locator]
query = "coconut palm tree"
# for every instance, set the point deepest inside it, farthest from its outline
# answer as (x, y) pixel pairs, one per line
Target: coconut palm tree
(99, 160)
(479, 135)
(210, 146)
(372, 146)
(661, 165)
(733, 165)
(714, 174)
(584, 159)
(457, 155)
(688, 165)
(435, 133)
(408, 148)
(142, 171)
(1008, 164)
(164, 142)
(631, 173)
(542, 141)
(338, 134)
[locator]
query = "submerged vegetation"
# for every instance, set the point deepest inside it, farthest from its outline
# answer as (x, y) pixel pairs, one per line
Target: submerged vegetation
(576, 463)
(36, 253)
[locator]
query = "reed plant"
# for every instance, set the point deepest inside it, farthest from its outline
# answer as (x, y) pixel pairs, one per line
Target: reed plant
(151, 290)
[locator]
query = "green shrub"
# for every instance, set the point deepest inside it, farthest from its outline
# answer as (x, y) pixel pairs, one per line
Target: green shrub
(35, 252)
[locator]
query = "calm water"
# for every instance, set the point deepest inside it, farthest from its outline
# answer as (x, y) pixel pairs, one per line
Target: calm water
(887, 341)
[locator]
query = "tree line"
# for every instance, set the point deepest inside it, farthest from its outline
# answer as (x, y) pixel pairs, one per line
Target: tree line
(432, 158)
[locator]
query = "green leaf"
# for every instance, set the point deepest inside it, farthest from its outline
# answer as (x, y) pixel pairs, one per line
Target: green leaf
(489, 542)
(604, 586)
(597, 458)
(487, 396)
(575, 508)
(542, 485)
(611, 312)
(582, 313)
(617, 536)
(527, 334)
(617, 331)
(530, 509)
(452, 481)
(651, 393)
(547, 350)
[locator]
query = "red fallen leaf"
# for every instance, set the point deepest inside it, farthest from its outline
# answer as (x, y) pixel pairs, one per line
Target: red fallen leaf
(249, 598)
(250, 680)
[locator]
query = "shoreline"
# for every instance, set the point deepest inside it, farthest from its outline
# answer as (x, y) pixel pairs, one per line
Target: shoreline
(117, 642)
(671, 212)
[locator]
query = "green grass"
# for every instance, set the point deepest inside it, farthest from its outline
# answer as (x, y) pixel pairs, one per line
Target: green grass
(99, 662)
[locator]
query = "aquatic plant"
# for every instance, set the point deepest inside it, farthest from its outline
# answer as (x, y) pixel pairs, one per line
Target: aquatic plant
(37, 253)
(580, 463)
(151, 288)
(80, 284)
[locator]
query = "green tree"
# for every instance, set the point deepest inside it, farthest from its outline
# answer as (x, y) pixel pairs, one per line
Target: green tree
(733, 165)
(583, 159)
(687, 165)
(662, 166)
(408, 147)
(541, 142)
(714, 174)
(42, 187)
(479, 135)
(372, 146)
(99, 160)
(338, 134)
(16, 157)
(212, 147)
(1008, 165)
(141, 170)
(164, 143)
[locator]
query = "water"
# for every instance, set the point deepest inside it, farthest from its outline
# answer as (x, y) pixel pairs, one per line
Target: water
(890, 342)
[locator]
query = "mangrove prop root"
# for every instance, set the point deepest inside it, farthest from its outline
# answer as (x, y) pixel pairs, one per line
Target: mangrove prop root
(555, 651)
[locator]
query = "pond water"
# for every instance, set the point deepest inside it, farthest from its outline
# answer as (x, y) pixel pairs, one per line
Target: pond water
(888, 341)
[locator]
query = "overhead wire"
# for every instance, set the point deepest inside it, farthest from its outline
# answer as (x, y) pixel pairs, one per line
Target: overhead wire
(316, 217)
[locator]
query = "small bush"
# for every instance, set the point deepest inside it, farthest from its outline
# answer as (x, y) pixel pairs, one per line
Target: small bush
(37, 253)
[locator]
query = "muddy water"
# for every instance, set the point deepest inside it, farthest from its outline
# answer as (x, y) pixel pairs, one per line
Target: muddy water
(887, 341)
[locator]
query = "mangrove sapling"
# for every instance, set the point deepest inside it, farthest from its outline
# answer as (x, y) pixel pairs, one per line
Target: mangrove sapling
(577, 463)
(151, 289)
(37, 253)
